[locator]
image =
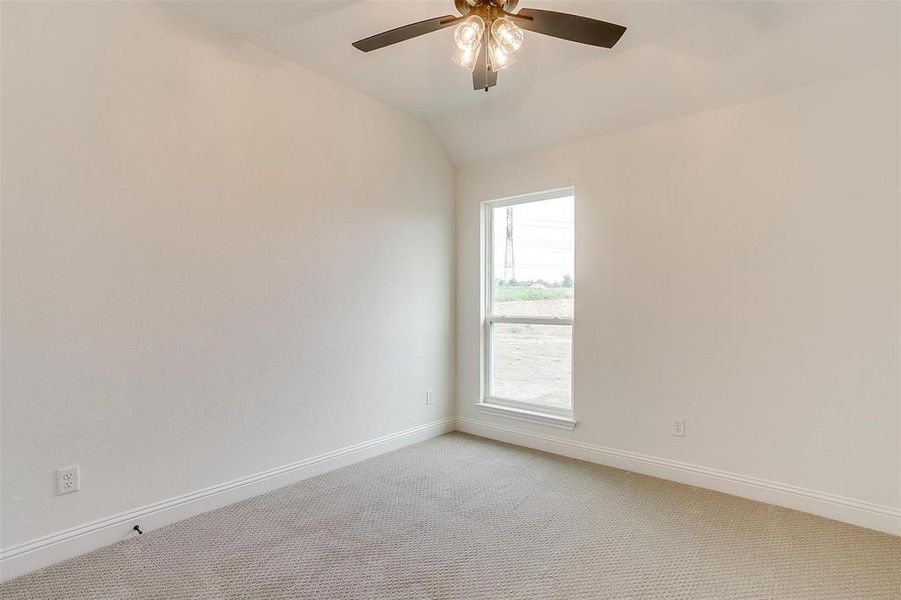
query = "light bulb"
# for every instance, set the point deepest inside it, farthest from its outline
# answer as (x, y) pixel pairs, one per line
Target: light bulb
(499, 58)
(507, 35)
(466, 58)
(469, 33)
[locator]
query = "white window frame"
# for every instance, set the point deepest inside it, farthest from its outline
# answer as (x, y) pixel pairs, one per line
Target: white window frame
(527, 411)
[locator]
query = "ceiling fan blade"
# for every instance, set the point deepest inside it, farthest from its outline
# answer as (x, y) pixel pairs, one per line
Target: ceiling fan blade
(483, 77)
(407, 32)
(571, 27)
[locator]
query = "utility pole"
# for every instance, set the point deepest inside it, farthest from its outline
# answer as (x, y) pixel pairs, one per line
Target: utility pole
(509, 271)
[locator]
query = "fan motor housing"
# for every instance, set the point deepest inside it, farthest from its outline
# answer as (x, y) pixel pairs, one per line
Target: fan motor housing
(465, 7)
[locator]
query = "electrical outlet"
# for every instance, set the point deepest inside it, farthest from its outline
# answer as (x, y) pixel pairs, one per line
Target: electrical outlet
(68, 480)
(677, 426)
(429, 397)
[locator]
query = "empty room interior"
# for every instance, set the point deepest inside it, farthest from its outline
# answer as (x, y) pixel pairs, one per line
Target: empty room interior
(450, 299)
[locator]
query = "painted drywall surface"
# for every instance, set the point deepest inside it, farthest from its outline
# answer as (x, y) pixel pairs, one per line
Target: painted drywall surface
(739, 268)
(676, 59)
(214, 262)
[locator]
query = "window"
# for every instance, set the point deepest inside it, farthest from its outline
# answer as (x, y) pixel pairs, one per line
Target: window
(529, 291)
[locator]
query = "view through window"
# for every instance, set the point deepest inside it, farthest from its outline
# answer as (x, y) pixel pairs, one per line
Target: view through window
(529, 308)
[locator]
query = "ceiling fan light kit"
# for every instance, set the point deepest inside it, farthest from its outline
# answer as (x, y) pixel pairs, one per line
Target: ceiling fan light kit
(489, 34)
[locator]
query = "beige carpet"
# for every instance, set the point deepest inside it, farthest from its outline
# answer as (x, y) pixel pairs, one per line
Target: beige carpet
(461, 517)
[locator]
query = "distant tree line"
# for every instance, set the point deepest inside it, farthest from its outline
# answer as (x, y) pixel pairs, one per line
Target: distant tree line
(566, 282)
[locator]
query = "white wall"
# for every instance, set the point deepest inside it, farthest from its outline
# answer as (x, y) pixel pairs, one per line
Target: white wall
(740, 268)
(214, 262)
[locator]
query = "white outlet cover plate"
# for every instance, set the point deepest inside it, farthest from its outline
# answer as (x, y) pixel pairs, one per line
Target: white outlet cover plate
(68, 480)
(677, 426)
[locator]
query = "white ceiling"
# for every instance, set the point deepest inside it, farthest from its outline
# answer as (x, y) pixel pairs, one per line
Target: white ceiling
(676, 58)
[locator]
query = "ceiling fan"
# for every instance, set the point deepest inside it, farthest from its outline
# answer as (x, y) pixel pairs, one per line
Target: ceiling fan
(489, 34)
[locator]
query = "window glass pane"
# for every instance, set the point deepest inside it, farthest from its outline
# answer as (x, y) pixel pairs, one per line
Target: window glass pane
(532, 248)
(532, 363)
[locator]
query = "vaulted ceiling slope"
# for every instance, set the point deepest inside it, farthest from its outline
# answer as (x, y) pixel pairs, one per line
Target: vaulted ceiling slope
(677, 58)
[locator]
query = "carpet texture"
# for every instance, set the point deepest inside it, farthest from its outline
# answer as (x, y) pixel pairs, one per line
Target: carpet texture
(462, 517)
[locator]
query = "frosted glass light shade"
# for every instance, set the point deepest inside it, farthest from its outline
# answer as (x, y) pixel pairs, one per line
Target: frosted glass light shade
(468, 34)
(498, 58)
(507, 35)
(466, 58)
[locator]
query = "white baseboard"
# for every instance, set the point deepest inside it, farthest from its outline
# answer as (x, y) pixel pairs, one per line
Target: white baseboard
(29, 556)
(24, 558)
(856, 512)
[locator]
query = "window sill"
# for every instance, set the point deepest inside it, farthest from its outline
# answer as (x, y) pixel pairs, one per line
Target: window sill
(530, 416)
